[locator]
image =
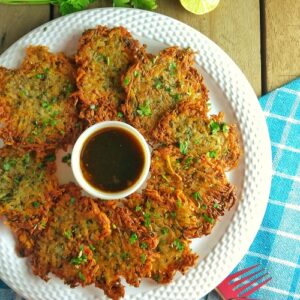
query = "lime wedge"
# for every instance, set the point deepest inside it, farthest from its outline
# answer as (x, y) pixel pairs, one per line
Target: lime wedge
(199, 7)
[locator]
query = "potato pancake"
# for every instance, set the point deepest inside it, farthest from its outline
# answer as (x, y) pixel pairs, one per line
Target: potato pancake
(155, 85)
(26, 185)
(165, 217)
(192, 179)
(196, 134)
(87, 241)
(36, 109)
(103, 56)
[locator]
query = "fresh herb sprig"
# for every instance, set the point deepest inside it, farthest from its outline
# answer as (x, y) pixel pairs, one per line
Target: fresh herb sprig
(70, 6)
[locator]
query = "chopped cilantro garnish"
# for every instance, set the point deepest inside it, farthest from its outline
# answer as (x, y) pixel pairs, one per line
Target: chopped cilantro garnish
(81, 276)
(8, 165)
(36, 204)
(224, 127)
(144, 245)
(50, 158)
(216, 205)
(68, 234)
(67, 159)
(72, 200)
(120, 114)
(178, 245)
(26, 159)
(187, 162)
(40, 76)
(92, 247)
(164, 230)
(176, 97)
(214, 127)
(138, 208)
(93, 107)
(133, 238)
(126, 81)
(157, 83)
(179, 203)
(143, 4)
(173, 214)
(124, 255)
(172, 68)
(144, 109)
(147, 219)
(212, 154)
(79, 260)
(136, 73)
(197, 196)
(143, 258)
(183, 146)
(208, 219)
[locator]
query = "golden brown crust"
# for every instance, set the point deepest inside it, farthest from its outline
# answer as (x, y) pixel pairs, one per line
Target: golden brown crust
(27, 185)
(189, 127)
(103, 55)
(35, 104)
(155, 85)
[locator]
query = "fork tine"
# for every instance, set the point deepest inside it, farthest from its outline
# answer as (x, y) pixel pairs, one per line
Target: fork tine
(245, 286)
(238, 282)
(255, 288)
(237, 274)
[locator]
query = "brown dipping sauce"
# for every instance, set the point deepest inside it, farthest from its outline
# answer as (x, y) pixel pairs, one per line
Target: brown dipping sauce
(112, 159)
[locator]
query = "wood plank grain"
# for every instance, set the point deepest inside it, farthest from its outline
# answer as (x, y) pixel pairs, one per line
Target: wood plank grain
(282, 24)
(233, 25)
(16, 21)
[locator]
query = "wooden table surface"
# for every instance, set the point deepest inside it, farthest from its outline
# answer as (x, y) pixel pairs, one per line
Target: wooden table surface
(261, 36)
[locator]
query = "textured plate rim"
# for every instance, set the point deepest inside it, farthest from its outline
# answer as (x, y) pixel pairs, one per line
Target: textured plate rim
(249, 214)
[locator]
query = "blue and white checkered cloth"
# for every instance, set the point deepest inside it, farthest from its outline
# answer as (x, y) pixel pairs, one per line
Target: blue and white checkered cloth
(277, 244)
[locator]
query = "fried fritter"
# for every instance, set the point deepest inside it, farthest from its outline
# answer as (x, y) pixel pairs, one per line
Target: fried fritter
(87, 241)
(196, 134)
(35, 104)
(26, 186)
(168, 218)
(103, 55)
(156, 85)
(192, 179)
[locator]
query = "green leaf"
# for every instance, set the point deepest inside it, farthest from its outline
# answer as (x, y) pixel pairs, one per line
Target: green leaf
(212, 154)
(143, 258)
(121, 3)
(164, 230)
(144, 4)
(214, 127)
(183, 146)
(133, 238)
(36, 204)
(178, 245)
(144, 109)
(81, 276)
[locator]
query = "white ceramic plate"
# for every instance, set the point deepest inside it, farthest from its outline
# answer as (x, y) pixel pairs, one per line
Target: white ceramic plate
(229, 92)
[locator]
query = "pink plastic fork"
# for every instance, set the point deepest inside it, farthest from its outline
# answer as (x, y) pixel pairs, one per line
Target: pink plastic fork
(230, 290)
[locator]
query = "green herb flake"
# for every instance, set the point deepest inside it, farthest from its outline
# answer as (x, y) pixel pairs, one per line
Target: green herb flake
(212, 154)
(172, 68)
(126, 81)
(143, 258)
(144, 245)
(67, 159)
(79, 260)
(92, 247)
(50, 158)
(208, 219)
(164, 230)
(68, 234)
(138, 208)
(36, 204)
(157, 83)
(216, 205)
(120, 114)
(136, 73)
(7, 166)
(45, 104)
(197, 196)
(224, 128)
(214, 127)
(173, 214)
(93, 107)
(43, 224)
(179, 203)
(183, 147)
(81, 276)
(178, 245)
(176, 97)
(124, 255)
(144, 109)
(147, 219)
(72, 200)
(156, 277)
(187, 163)
(133, 238)
(40, 76)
